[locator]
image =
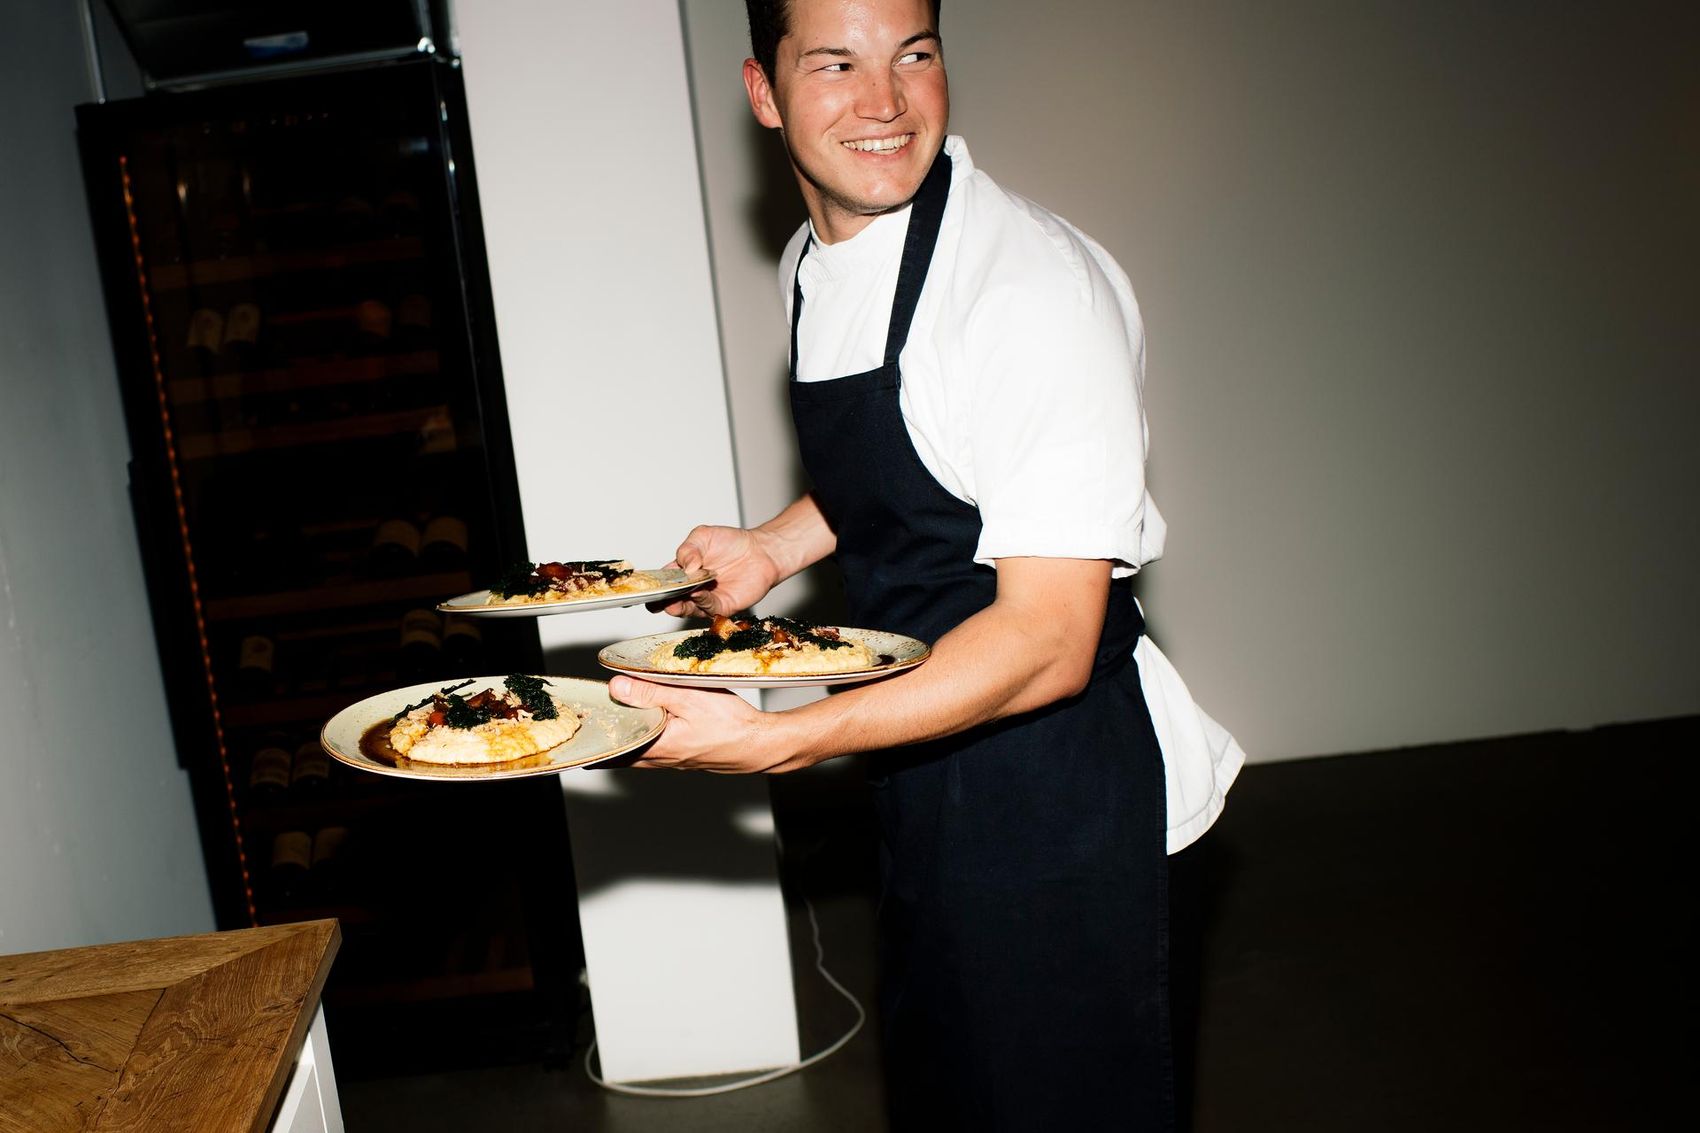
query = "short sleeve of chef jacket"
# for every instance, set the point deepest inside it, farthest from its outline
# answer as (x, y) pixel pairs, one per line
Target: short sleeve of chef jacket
(1055, 347)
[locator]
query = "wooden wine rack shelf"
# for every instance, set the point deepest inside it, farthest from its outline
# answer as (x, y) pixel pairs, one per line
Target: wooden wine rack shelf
(236, 269)
(365, 593)
(236, 442)
(306, 374)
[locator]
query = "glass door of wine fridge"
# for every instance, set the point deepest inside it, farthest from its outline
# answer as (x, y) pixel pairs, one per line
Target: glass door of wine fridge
(295, 280)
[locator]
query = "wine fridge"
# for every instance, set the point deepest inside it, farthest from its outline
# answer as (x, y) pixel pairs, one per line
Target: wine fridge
(295, 281)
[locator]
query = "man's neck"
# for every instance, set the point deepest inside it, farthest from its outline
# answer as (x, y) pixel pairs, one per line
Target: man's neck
(834, 226)
(833, 223)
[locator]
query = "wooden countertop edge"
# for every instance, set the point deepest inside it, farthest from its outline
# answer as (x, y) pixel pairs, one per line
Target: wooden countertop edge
(298, 1033)
(136, 965)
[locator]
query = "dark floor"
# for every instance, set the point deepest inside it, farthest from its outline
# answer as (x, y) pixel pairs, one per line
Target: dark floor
(1476, 936)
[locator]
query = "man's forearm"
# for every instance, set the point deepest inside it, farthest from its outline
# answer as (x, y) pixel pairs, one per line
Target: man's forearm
(1010, 658)
(797, 537)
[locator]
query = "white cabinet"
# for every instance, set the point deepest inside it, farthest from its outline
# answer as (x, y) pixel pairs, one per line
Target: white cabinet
(309, 1103)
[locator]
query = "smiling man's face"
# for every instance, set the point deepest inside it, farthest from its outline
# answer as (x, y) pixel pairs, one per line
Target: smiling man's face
(860, 94)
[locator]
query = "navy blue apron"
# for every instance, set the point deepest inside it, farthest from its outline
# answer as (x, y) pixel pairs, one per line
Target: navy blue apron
(1024, 909)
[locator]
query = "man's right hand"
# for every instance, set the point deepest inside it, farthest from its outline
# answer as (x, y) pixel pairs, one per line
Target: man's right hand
(749, 563)
(744, 571)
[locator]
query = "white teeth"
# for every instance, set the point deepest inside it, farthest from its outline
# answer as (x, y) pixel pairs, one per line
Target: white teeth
(880, 145)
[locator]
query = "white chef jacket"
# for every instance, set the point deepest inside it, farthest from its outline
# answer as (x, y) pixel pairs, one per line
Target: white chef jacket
(1021, 394)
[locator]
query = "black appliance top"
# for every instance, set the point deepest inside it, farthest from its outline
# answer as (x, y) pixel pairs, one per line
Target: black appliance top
(196, 42)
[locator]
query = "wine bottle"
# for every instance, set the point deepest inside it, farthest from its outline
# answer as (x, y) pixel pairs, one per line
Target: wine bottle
(413, 322)
(206, 335)
(268, 778)
(443, 545)
(242, 334)
(421, 645)
(292, 856)
(256, 660)
(373, 324)
(463, 645)
(395, 547)
(311, 776)
(324, 878)
(437, 434)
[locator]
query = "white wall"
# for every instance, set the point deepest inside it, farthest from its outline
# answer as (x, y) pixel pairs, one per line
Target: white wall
(1418, 286)
(593, 216)
(97, 837)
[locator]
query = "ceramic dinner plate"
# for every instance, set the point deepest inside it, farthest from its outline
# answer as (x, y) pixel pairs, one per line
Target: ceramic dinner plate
(606, 729)
(673, 584)
(896, 653)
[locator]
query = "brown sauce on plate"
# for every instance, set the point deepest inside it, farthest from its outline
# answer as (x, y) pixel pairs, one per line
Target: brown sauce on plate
(375, 744)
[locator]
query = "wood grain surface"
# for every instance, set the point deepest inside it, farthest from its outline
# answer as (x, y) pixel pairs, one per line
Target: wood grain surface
(186, 1033)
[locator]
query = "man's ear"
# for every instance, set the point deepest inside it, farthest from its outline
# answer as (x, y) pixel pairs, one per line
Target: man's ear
(761, 95)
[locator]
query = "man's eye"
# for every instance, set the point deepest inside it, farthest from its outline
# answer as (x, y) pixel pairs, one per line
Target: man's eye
(836, 67)
(916, 57)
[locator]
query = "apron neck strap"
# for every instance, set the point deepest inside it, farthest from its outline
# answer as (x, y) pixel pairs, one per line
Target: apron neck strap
(926, 216)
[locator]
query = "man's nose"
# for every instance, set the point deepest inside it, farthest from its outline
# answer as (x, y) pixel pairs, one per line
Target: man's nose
(881, 97)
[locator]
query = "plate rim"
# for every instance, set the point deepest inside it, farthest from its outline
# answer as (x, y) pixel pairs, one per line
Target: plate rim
(568, 605)
(761, 680)
(467, 773)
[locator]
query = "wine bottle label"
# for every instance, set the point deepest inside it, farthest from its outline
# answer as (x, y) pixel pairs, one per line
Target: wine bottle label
(206, 330)
(311, 763)
(271, 768)
(292, 847)
(446, 529)
(242, 325)
(257, 653)
(397, 534)
(327, 843)
(421, 627)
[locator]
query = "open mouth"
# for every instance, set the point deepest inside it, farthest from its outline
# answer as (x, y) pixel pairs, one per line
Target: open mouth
(880, 145)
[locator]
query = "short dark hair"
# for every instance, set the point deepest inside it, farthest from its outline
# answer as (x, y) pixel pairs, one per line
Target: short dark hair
(770, 22)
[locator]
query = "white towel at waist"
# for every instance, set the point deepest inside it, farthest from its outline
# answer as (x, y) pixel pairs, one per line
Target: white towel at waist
(1200, 758)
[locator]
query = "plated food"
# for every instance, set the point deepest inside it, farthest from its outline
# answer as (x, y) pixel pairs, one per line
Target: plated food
(533, 589)
(488, 728)
(761, 647)
(568, 581)
(764, 653)
(483, 727)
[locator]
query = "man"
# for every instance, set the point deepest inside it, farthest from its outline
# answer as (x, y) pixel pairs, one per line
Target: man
(965, 386)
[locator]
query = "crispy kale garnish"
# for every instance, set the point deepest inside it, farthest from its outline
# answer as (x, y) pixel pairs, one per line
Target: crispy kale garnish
(396, 719)
(826, 642)
(457, 713)
(605, 567)
(755, 637)
(533, 693)
(520, 579)
(700, 646)
(532, 579)
(707, 644)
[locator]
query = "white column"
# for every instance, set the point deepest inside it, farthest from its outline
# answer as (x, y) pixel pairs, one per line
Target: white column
(593, 216)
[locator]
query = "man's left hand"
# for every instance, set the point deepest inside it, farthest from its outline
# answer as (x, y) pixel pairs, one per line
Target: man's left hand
(708, 730)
